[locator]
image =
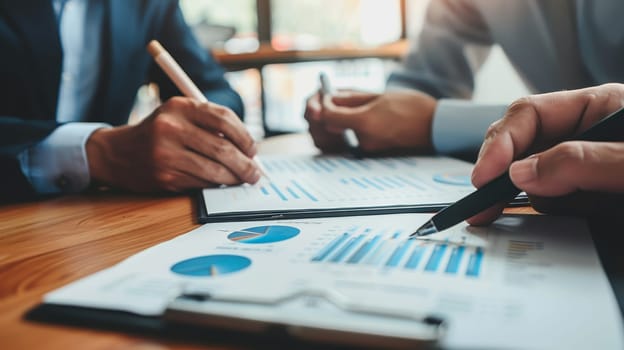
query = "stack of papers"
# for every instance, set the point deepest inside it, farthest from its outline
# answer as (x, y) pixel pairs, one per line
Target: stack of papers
(325, 186)
(529, 282)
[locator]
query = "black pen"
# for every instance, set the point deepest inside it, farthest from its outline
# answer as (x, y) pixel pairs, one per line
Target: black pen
(348, 135)
(609, 129)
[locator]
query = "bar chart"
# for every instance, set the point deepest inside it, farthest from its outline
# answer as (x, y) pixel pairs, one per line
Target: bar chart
(296, 180)
(393, 250)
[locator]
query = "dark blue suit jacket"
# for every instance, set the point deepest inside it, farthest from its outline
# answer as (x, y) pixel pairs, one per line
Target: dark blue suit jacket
(31, 61)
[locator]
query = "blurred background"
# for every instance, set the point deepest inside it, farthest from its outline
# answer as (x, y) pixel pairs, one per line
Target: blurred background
(274, 50)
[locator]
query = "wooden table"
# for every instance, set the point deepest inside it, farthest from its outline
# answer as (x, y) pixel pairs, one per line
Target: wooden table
(47, 244)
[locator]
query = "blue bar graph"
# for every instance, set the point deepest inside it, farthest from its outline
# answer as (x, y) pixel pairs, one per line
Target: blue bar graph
(384, 183)
(395, 182)
(364, 249)
(474, 264)
(328, 249)
(347, 164)
(435, 258)
(398, 254)
(279, 193)
(455, 260)
(331, 163)
(304, 191)
(292, 193)
(414, 259)
(361, 246)
(359, 183)
(410, 183)
(377, 254)
(373, 184)
(347, 248)
(323, 166)
(267, 166)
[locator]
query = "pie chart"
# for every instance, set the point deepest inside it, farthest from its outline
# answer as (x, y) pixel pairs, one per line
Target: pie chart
(453, 179)
(264, 234)
(211, 265)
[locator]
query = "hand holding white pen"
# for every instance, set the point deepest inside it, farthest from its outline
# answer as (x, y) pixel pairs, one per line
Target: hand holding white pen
(182, 80)
(348, 135)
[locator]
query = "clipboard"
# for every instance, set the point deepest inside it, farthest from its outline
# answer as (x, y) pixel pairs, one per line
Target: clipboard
(204, 217)
(358, 281)
(186, 316)
(298, 187)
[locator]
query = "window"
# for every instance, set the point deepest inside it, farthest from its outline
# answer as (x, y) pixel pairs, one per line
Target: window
(275, 49)
(229, 24)
(317, 24)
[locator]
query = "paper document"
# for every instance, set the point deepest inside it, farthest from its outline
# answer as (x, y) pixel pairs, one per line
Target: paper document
(526, 282)
(340, 186)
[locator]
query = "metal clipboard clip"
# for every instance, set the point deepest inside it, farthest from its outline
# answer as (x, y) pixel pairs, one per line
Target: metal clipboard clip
(194, 307)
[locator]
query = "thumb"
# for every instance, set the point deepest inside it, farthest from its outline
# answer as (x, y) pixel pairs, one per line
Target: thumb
(572, 166)
(353, 98)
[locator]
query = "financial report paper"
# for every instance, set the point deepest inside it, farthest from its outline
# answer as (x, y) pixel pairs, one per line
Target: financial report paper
(310, 183)
(525, 282)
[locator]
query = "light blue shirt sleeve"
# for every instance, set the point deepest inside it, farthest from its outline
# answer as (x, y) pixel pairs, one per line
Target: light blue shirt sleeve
(459, 126)
(59, 163)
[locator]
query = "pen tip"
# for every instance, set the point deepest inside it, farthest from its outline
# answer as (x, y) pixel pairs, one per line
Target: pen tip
(427, 229)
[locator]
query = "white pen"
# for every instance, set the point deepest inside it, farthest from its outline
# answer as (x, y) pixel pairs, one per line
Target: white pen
(181, 80)
(348, 135)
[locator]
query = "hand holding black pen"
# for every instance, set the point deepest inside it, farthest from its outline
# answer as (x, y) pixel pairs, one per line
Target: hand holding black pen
(591, 158)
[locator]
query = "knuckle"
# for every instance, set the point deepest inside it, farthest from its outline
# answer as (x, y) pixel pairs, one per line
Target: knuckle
(159, 155)
(571, 155)
(493, 129)
(520, 105)
(249, 170)
(222, 148)
(166, 180)
(166, 124)
(177, 102)
(222, 114)
(220, 174)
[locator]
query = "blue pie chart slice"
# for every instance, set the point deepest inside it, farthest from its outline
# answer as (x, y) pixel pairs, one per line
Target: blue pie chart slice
(264, 234)
(211, 265)
(453, 179)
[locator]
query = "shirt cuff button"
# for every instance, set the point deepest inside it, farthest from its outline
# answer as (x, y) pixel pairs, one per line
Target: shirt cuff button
(62, 182)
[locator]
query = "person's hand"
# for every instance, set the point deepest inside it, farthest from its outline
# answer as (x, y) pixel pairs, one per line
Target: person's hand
(392, 121)
(571, 176)
(183, 145)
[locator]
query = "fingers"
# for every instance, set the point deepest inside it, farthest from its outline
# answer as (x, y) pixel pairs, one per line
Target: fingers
(233, 166)
(538, 122)
(352, 98)
(195, 171)
(206, 141)
(323, 139)
(313, 108)
(487, 216)
(220, 119)
(572, 166)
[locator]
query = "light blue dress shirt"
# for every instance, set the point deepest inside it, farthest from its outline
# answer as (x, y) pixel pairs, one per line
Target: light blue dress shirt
(59, 162)
(553, 45)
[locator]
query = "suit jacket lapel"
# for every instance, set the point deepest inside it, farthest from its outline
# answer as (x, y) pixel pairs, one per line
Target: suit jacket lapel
(36, 22)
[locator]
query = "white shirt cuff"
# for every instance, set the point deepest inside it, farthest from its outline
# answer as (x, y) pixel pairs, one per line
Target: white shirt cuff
(59, 162)
(459, 126)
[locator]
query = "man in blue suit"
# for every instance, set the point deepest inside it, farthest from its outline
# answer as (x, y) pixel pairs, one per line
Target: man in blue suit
(69, 73)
